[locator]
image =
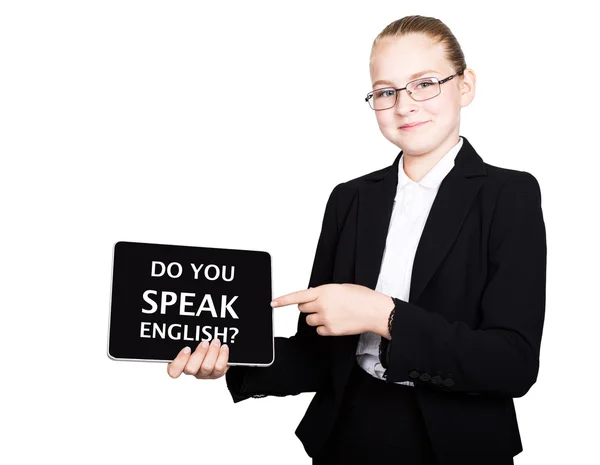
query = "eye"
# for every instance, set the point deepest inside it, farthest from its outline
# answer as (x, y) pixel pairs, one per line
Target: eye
(424, 84)
(385, 93)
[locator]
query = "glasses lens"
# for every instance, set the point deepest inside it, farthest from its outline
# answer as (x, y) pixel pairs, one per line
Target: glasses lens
(424, 89)
(383, 98)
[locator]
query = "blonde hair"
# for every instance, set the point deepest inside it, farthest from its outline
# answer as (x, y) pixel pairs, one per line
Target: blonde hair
(433, 28)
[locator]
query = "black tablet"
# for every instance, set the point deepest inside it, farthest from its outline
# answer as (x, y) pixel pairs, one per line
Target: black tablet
(165, 297)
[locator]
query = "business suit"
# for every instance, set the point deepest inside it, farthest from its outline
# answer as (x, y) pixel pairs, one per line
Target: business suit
(469, 337)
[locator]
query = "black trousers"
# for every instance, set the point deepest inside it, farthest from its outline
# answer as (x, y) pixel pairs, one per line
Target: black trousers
(379, 423)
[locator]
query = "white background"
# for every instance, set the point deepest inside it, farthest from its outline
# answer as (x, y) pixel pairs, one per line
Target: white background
(228, 126)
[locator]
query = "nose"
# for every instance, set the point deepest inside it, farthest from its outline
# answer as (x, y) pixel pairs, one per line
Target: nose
(404, 103)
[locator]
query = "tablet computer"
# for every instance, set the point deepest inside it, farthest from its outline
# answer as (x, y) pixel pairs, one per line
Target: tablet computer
(165, 297)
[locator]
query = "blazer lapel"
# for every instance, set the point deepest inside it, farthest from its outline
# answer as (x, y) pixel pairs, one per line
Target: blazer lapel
(375, 203)
(448, 211)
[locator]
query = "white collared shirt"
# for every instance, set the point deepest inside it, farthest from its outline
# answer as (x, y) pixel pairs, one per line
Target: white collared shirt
(412, 204)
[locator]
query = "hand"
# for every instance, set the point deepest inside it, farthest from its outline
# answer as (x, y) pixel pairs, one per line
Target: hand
(205, 363)
(340, 309)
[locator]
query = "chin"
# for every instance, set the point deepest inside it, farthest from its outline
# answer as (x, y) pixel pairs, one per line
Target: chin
(414, 147)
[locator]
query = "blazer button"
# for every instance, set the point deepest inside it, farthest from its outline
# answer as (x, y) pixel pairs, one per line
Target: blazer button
(448, 382)
(414, 374)
(436, 379)
(425, 377)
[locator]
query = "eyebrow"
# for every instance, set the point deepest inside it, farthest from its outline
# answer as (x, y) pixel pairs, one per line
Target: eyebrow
(411, 77)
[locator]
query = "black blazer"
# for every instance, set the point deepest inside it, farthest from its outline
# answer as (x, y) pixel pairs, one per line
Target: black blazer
(469, 337)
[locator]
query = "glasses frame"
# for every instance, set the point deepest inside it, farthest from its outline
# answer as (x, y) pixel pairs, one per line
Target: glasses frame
(440, 82)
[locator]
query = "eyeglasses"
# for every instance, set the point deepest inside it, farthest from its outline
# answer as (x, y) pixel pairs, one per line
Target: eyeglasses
(419, 89)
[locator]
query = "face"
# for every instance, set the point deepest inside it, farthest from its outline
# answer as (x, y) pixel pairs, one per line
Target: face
(394, 61)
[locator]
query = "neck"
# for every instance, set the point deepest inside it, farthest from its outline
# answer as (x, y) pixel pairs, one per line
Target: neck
(416, 166)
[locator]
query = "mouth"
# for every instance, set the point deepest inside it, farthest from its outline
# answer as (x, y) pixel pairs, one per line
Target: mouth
(412, 125)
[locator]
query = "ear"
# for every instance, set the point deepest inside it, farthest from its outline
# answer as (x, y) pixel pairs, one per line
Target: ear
(467, 87)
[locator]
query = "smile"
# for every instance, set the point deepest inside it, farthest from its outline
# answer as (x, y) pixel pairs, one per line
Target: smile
(410, 128)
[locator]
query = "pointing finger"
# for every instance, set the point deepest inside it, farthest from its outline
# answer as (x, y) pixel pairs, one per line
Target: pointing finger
(298, 297)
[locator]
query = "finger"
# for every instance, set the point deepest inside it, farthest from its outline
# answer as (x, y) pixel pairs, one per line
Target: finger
(314, 319)
(211, 357)
(306, 295)
(309, 307)
(221, 366)
(196, 359)
(175, 367)
(323, 331)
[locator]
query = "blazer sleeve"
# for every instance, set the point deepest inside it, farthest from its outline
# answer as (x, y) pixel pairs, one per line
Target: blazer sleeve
(501, 356)
(303, 361)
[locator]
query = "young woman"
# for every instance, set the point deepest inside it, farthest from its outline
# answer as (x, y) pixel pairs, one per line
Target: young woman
(424, 312)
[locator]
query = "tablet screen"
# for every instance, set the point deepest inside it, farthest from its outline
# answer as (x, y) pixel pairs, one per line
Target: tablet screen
(165, 297)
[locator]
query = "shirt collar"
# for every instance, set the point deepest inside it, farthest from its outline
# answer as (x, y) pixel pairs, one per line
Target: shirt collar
(435, 175)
